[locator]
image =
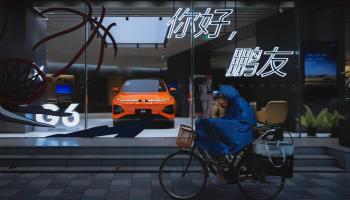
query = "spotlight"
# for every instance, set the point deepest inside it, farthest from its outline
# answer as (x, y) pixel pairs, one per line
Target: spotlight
(127, 18)
(160, 18)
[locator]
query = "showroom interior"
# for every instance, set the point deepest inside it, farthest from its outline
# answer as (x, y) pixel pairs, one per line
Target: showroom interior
(60, 57)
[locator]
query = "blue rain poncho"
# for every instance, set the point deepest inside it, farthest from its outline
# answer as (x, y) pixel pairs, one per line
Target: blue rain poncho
(228, 134)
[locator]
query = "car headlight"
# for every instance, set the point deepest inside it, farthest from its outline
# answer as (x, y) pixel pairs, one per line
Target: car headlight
(169, 109)
(159, 100)
(128, 100)
(150, 100)
(117, 109)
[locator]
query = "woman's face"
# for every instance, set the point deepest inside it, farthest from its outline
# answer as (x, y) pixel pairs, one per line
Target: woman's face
(223, 102)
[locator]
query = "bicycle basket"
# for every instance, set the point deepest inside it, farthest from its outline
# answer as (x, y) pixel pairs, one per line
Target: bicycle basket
(185, 137)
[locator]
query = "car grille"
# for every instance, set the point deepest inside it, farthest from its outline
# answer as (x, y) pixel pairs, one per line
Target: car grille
(155, 117)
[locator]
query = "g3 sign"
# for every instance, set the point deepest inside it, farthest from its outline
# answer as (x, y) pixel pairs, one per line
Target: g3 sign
(69, 121)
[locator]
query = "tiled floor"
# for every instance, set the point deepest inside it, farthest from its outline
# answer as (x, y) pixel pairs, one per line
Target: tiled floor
(143, 186)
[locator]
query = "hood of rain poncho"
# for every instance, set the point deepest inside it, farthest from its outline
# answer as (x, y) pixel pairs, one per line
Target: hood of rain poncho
(231, 133)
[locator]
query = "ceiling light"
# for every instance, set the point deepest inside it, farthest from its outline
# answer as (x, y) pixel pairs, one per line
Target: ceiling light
(137, 30)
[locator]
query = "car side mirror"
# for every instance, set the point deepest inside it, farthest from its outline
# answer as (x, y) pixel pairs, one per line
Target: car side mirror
(173, 90)
(115, 89)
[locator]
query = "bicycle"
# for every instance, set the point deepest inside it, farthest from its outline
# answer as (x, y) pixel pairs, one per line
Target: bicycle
(184, 174)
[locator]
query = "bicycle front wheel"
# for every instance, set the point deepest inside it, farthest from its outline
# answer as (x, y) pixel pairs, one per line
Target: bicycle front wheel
(183, 175)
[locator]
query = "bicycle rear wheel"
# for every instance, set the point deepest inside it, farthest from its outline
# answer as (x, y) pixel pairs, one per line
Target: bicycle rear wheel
(183, 175)
(258, 186)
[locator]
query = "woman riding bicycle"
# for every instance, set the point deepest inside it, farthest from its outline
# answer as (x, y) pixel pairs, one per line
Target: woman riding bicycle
(232, 131)
(183, 174)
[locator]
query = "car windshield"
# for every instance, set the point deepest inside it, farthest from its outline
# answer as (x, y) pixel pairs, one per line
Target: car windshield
(144, 85)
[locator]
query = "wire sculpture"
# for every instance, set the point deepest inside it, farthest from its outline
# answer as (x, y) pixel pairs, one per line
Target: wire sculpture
(87, 19)
(22, 82)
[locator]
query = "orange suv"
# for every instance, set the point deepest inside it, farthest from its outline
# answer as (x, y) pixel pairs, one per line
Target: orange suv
(144, 97)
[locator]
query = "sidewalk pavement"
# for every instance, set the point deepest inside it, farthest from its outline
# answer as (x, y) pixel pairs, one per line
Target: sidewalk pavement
(145, 186)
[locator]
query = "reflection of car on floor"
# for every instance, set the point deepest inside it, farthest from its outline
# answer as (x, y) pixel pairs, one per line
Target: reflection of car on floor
(139, 98)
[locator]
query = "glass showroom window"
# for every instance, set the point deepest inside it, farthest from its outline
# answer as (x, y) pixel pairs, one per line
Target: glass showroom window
(40, 92)
(142, 68)
(140, 92)
(323, 47)
(83, 68)
(254, 48)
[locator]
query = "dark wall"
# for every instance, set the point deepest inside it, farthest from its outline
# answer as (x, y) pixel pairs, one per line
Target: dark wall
(280, 31)
(23, 29)
(179, 70)
(324, 22)
(98, 95)
(179, 67)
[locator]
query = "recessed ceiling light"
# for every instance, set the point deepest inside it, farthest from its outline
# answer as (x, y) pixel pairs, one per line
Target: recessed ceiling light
(142, 30)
